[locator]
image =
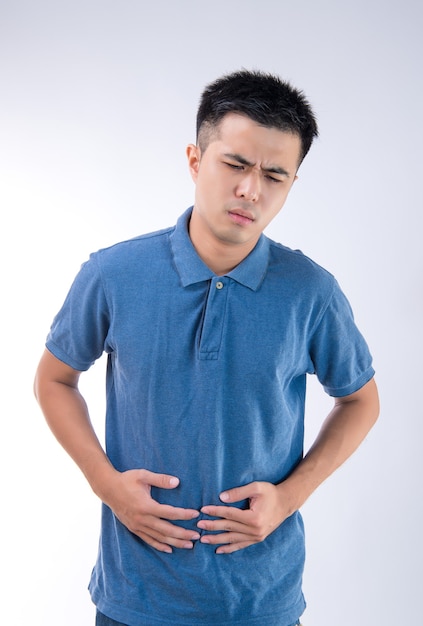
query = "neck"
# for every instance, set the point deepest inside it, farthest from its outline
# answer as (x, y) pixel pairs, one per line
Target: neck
(220, 256)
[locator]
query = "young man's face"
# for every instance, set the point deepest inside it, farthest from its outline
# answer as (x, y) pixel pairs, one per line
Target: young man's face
(242, 180)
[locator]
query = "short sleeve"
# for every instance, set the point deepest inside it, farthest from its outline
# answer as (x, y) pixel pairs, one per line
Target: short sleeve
(78, 333)
(340, 355)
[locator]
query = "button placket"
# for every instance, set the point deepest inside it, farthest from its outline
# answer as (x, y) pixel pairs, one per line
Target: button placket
(214, 320)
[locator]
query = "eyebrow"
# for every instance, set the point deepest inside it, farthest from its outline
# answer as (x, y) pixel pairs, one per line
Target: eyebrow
(272, 169)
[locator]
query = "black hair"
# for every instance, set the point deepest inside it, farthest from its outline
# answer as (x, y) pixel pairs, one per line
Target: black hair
(264, 98)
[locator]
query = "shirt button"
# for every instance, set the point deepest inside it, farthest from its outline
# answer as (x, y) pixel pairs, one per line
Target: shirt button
(219, 285)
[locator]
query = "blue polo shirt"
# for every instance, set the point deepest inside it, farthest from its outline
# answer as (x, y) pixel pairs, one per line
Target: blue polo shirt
(206, 380)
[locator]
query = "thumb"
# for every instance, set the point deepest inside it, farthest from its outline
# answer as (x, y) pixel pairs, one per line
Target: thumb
(239, 493)
(163, 481)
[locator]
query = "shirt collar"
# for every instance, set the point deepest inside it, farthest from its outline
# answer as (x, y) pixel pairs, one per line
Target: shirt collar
(191, 269)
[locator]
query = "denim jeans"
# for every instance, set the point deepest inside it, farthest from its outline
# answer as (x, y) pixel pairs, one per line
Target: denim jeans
(102, 620)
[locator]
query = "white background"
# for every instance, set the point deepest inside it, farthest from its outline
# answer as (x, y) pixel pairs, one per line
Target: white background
(97, 104)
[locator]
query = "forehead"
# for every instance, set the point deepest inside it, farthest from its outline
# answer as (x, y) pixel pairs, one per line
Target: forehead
(239, 133)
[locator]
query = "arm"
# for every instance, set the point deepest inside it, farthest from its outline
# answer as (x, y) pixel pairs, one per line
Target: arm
(126, 493)
(342, 432)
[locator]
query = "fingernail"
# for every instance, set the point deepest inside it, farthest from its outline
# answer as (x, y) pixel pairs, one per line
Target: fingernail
(173, 482)
(195, 536)
(224, 496)
(205, 539)
(188, 545)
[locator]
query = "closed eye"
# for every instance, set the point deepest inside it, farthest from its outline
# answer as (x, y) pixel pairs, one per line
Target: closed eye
(273, 179)
(241, 167)
(234, 166)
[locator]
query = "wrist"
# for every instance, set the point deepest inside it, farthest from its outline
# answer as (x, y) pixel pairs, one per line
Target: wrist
(293, 492)
(102, 477)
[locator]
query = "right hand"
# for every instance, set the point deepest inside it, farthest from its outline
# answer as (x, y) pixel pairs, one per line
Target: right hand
(130, 500)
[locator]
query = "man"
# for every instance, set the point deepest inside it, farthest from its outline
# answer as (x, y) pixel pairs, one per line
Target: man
(210, 330)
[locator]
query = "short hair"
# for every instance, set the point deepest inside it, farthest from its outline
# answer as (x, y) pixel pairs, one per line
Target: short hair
(264, 98)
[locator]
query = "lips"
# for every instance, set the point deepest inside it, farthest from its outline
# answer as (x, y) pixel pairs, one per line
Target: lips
(239, 216)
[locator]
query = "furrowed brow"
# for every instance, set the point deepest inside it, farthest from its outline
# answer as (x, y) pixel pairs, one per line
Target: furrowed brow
(280, 171)
(239, 158)
(276, 170)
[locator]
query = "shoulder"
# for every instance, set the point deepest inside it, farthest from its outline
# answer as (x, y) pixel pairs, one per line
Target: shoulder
(136, 245)
(294, 265)
(136, 253)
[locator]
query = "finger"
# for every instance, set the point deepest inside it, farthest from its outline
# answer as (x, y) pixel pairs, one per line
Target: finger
(227, 539)
(165, 547)
(166, 511)
(240, 493)
(233, 547)
(222, 525)
(170, 542)
(163, 481)
(227, 512)
(162, 547)
(166, 533)
(163, 530)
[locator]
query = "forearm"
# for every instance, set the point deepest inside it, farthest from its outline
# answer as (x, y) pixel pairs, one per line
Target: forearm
(127, 493)
(342, 432)
(67, 415)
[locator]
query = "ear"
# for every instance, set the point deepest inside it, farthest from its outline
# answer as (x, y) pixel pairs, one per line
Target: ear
(194, 158)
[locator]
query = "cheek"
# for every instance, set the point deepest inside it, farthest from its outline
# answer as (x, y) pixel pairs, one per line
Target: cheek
(280, 197)
(274, 206)
(207, 193)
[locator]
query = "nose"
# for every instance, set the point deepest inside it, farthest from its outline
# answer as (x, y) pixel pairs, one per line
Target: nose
(249, 187)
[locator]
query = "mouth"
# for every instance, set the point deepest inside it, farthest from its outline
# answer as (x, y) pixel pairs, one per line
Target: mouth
(239, 216)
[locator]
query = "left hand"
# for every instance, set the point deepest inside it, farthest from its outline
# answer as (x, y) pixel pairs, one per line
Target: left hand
(242, 528)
